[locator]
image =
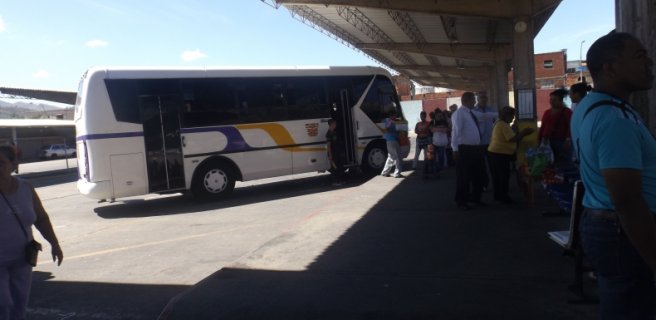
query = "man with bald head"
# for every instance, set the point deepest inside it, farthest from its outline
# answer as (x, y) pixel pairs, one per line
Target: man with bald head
(468, 152)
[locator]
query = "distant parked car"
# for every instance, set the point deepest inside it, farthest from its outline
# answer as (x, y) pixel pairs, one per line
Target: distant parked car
(53, 151)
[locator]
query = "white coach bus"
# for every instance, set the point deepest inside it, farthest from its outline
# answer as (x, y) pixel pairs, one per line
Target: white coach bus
(143, 131)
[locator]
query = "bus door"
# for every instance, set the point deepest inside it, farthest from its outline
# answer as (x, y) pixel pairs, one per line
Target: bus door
(161, 125)
(347, 128)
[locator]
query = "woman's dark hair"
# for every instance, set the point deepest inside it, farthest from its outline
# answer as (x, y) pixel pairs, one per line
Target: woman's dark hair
(507, 110)
(604, 50)
(442, 121)
(8, 151)
(561, 93)
(581, 88)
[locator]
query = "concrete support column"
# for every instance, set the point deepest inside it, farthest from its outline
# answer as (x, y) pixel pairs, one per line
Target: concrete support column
(524, 83)
(491, 88)
(501, 81)
(524, 69)
(638, 17)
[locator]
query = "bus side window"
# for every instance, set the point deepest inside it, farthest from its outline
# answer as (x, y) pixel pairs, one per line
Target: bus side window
(123, 95)
(306, 98)
(277, 106)
(214, 102)
(266, 98)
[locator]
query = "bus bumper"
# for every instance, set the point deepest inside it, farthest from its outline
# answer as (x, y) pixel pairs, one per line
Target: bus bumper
(97, 190)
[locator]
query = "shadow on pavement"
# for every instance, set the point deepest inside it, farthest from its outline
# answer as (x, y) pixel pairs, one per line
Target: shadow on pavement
(45, 179)
(51, 299)
(241, 196)
(412, 256)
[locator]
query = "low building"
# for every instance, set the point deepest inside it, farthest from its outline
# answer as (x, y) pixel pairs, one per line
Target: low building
(30, 135)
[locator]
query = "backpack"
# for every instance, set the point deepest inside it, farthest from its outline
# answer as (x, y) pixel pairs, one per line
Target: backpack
(621, 105)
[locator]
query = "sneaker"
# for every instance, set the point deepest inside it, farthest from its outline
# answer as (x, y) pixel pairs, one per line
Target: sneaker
(398, 175)
(337, 184)
(385, 174)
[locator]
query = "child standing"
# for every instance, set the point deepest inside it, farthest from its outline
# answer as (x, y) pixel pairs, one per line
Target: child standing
(439, 128)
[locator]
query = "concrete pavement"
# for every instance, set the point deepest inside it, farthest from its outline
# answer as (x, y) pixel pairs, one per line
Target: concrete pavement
(33, 170)
(399, 249)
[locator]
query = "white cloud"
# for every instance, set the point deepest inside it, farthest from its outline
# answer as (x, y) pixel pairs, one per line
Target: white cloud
(96, 43)
(191, 55)
(41, 74)
(2, 25)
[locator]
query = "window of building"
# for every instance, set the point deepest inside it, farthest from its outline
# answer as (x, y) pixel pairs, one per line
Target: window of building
(547, 84)
(547, 64)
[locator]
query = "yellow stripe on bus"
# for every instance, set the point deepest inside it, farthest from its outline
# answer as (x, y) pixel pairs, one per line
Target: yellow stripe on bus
(280, 136)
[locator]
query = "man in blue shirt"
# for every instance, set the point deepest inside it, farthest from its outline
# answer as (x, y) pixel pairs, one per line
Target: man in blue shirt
(392, 139)
(617, 155)
(486, 126)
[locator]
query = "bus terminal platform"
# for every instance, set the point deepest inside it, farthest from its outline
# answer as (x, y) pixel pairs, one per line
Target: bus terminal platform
(407, 252)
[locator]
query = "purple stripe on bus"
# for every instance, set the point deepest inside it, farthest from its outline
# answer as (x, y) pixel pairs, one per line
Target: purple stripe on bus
(109, 136)
(236, 141)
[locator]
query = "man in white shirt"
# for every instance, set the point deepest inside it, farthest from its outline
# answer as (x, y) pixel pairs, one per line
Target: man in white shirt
(466, 138)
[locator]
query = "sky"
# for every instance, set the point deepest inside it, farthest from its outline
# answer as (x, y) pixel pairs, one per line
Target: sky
(47, 44)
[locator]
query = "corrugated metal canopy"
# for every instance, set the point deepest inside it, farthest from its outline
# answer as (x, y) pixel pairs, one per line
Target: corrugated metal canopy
(24, 123)
(445, 43)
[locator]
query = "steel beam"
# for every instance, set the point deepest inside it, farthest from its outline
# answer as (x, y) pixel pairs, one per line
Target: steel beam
(463, 71)
(498, 9)
(480, 52)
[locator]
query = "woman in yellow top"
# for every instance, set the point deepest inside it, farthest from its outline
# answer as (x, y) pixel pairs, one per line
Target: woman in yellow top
(501, 150)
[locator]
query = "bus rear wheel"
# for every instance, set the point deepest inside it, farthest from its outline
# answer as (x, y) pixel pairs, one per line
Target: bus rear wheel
(213, 180)
(374, 158)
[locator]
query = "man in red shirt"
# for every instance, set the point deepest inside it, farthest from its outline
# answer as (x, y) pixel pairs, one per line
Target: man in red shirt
(555, 127)
(422, 129)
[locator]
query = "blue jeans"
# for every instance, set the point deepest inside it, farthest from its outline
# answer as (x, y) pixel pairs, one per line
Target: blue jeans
(392, 158)
(625, 281)
(420, 144)
(15, 284)
(439, 157)
(562, 155)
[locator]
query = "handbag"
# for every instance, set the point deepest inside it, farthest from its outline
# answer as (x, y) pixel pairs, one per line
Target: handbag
(33, 247)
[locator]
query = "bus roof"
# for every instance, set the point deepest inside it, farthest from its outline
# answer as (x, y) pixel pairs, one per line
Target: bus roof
(220, 72)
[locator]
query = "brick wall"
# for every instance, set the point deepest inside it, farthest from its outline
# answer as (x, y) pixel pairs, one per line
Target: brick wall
(550, 70)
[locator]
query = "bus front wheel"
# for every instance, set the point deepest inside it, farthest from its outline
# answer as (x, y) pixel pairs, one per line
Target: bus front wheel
(374, 158)
(213, 180)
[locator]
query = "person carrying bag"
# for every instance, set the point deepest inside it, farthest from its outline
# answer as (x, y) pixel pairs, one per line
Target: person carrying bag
(33, 247)
(18, 249)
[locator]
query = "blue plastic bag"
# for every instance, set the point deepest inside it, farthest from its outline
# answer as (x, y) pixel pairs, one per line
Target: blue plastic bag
(539, 158)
